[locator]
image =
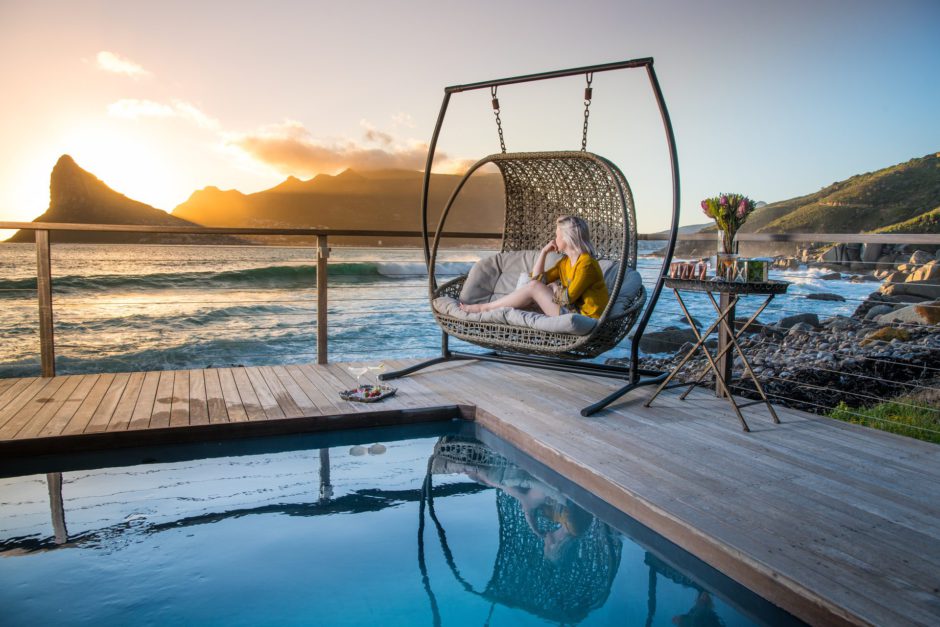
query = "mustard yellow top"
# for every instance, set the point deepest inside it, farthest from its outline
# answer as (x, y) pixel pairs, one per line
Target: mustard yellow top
(584, 281)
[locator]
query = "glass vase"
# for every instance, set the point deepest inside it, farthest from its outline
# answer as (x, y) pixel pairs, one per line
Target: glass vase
(726, 256)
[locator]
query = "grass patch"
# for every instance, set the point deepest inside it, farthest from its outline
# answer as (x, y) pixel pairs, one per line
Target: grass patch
(902, 416)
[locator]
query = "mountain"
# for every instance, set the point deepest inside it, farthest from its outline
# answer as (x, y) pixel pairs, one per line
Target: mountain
(78, 196)
(374, 199)
(872, 201)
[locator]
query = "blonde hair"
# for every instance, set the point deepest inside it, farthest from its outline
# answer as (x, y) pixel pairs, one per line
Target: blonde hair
(576, 233)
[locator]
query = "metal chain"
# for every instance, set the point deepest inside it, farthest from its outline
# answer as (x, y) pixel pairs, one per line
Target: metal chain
(499, 122)
(588, 93)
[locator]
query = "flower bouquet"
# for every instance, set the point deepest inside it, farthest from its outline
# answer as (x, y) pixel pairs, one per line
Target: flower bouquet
(730, 212)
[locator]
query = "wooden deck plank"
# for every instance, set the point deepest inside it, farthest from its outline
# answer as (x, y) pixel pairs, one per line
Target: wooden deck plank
(283, 399)
(13, 390)
(330, 386)
(30, 407)
(90, 403)
(324, 404)
(198, 399)
(252, 404)
(121, 394)
(163, 400)
(143, 408)
(436, 390)
(22, 397)
(32, 423)
(233, 402)
(215, 401)
(807, 457)
(179, 409)
(265, 395)
(69, 407)
(767, 493)
(305, 405)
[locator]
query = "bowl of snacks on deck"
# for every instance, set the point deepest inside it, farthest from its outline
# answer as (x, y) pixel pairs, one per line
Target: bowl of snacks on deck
(368, 393)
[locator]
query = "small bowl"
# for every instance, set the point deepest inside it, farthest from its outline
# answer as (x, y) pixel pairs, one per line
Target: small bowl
(368, 393)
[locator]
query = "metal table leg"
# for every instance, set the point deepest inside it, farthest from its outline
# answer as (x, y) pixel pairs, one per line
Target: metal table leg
(747, 365)
(728, 347)
(682, 362)
(719, 380)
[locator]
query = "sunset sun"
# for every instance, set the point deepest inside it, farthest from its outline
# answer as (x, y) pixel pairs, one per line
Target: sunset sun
(130, 163)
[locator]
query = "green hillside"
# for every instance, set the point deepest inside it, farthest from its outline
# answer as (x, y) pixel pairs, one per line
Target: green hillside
(924, 223)
(866, 202)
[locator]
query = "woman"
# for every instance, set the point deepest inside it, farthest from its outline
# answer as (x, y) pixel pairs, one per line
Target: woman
(573, 285)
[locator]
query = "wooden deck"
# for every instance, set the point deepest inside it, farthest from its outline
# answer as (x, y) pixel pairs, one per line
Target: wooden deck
(836, 523)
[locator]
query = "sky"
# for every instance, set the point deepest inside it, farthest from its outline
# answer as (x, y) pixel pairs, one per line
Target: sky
(158, 99)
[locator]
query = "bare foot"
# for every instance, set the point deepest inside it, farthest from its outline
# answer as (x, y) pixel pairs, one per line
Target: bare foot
(471, 308)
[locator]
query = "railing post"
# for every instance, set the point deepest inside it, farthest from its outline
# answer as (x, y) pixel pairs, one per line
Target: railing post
(44, 295)
(56, 507)
(323, 254)
(326, 488)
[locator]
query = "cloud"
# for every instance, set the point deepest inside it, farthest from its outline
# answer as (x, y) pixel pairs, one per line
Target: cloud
(375, 136)
(133, 109)
(291, 149)
(111, 62)
(403, 119)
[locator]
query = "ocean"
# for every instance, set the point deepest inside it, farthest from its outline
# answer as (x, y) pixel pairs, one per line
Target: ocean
(134, 307)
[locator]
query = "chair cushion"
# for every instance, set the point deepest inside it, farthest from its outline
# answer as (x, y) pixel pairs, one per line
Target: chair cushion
(451, 307)
(567, 323)
(498, 275)
(631, 286)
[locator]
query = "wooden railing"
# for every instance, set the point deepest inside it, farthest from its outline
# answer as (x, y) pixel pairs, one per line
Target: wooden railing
(44, 266)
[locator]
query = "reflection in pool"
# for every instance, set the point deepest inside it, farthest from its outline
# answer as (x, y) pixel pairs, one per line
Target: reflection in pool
(439, 525)
(555, 560)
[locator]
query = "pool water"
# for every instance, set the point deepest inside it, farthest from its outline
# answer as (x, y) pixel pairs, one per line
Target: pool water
(434, 525)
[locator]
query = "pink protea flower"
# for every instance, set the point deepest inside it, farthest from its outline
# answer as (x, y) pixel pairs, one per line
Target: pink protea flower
(742, 208)
(724, 201)
(705, 209)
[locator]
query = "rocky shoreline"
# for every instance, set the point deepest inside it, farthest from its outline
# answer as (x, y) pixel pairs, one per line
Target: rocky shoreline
(889, 347)
(814, 367)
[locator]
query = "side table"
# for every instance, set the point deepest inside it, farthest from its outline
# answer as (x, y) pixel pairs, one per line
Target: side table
(729, 293)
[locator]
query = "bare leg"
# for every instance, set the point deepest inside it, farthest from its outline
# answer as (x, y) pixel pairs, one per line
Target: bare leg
(532, 292)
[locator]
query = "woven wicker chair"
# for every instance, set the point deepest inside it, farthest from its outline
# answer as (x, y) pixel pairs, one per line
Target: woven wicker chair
(540, 186)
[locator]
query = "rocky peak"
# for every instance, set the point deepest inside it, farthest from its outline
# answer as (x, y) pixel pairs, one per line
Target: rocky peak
(290, 184)
(70, 185)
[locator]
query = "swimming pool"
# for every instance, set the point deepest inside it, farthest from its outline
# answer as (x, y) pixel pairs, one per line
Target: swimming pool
(438, 524)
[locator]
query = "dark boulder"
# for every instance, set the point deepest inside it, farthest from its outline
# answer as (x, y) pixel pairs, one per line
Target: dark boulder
(826, 296)
(808, 318)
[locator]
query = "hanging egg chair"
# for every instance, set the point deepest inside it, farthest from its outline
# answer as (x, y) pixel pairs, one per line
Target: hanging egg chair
(540, 187)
